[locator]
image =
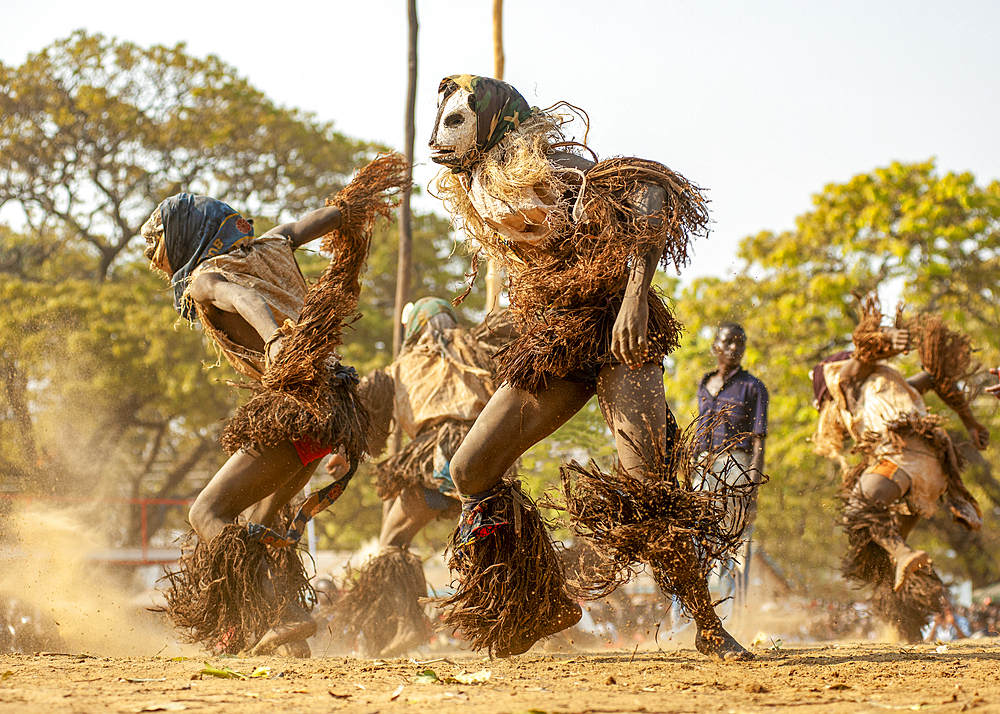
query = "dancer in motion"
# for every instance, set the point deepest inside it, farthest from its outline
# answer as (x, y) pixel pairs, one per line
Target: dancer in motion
(440, 383)
(580, 242)
(909, 467)
(242, 587)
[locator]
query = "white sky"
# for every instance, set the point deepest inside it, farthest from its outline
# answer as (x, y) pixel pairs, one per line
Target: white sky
(761, 102)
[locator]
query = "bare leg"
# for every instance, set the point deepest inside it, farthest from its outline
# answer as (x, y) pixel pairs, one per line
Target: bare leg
(268, 480)
(406, 517)
(242, 481)
(885, 492)
(295, 627)
(296, 624)
(712, 639)
(513, 421)
(267, 509)
(634, 405)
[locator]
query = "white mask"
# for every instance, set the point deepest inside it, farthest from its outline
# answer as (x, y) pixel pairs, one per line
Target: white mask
(455, 128)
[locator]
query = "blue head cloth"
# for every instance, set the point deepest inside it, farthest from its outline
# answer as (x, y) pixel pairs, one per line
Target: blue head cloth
(196, 228)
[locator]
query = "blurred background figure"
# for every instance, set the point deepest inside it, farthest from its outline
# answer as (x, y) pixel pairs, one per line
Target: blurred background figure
(732, 414)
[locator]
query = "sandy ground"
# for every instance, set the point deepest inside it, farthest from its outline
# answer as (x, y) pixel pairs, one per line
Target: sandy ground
(115, 656)
(831, 678)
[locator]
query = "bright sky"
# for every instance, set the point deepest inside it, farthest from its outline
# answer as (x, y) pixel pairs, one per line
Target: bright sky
(763, 103)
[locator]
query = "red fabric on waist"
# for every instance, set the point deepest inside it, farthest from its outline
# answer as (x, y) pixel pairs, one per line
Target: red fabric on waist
(309, 450)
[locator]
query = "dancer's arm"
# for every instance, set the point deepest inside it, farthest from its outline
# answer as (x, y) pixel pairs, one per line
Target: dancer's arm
(629, 343)
(215, 293)
(311, 226)
(995, 389)
(978, 433)
(855, 372)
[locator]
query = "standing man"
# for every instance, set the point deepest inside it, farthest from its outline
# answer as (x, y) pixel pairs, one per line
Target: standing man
(732, 411)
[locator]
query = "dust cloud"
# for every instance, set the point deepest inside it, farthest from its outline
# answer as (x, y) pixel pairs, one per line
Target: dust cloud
(49, 563)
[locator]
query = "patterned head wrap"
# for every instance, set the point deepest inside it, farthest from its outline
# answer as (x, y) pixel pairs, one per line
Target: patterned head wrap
(186, 230)
(498, 106)
(422, 312)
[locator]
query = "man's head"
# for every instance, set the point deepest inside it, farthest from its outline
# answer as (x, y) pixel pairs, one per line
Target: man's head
(185, 230)
(156, 246)
(474, 114)
(429, 312)
(729, 345)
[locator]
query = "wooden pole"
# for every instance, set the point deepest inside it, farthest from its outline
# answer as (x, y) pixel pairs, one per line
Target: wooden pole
(404, 266)
(494, 279)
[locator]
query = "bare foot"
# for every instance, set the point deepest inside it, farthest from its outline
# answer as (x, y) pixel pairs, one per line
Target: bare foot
(907, 564)
(569, 615)
(298, 626)
(716, 642)
(407, 638)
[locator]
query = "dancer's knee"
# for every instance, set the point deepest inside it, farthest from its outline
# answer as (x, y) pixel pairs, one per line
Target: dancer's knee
(467, 477)
(204, 520)
(879, 489)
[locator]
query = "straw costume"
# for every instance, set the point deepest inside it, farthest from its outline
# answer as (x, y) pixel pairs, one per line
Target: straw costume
(567, 271)
(228, 593)
(579, 241)
(897, 439)
(441, 381)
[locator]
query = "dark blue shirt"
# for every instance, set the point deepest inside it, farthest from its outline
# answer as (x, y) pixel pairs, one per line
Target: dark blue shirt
(743, 399)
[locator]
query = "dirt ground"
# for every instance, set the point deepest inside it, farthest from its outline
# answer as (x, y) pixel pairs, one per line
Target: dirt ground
(116, 656)
(832, 678)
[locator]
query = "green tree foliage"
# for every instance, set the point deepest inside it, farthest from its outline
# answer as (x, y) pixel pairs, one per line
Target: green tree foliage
(99, 393)
(903, 229)
(95, 132)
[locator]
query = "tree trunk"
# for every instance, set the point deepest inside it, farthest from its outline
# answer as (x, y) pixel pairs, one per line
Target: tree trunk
(16, 389)
(404, 266)
(494, 278)
(157, 515)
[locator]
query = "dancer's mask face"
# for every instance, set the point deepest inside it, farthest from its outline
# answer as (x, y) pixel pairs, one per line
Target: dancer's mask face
(455, 128)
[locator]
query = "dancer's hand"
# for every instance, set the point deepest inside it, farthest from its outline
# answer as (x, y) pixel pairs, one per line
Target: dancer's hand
(628, 336)
(900, 337)
(995, 389)
(979, 434)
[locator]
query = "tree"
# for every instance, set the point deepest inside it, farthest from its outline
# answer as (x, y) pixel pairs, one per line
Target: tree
(94, 132)
(99, 394)
(404, 267)
(903, 227)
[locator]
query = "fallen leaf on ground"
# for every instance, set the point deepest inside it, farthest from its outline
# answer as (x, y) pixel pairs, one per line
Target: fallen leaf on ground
(479, 677)
(428, 676)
